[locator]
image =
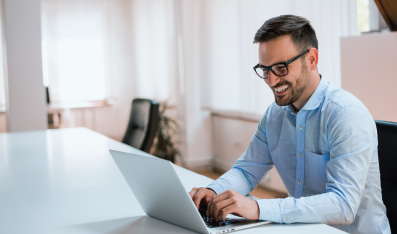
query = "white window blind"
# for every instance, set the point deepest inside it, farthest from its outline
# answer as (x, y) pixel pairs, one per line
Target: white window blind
(74, 47)
(88, 45)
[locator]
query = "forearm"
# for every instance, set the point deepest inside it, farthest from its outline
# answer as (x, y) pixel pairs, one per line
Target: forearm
(233, 179)
(243, 177)
(329, 208)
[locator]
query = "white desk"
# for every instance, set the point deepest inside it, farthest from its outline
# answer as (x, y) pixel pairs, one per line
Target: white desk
(65, 181)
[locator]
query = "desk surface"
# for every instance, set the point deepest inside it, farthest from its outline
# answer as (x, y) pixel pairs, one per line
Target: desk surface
(65, 181)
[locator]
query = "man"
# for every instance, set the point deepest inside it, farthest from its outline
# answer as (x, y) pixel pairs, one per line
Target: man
(322, 140)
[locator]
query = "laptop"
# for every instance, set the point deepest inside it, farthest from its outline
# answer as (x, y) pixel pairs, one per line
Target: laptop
(161, 195)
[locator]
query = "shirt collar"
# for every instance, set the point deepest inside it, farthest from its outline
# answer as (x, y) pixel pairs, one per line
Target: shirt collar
(316, 98)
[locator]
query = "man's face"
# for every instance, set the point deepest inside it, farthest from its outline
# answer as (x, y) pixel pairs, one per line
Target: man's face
(287, 89)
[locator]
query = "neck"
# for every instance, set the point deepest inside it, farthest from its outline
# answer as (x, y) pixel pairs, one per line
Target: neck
(314, 81)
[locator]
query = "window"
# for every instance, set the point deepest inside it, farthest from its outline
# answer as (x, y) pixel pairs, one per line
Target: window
(74, 52)
(80, 68)
(362, 16)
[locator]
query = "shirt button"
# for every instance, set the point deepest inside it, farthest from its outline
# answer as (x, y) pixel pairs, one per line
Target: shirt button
(300, 154)
(299, 182)
(300, 127)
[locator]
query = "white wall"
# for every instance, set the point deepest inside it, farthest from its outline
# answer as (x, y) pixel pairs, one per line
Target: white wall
(231, 139)
(368, 72)
(26, 103)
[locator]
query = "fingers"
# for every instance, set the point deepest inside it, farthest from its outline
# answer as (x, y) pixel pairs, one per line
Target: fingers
(219, 208)
(193, 196)
(199, 194)
(209, 197)
(194, 191)
(227, 210)
(215, 199)
(231, 202)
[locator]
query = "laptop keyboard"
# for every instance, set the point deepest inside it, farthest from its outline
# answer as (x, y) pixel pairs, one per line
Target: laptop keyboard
(212, 223)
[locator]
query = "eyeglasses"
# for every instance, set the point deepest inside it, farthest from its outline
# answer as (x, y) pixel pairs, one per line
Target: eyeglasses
(278, 69)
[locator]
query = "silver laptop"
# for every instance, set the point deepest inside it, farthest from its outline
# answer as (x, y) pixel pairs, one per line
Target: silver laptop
(161, 195)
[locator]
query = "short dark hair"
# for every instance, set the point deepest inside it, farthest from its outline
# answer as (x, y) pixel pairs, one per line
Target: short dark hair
(302, 33)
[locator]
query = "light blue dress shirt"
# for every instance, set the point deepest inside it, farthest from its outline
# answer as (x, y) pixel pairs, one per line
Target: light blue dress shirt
(327, 157)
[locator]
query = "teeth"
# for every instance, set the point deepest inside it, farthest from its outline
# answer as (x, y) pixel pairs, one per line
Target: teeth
(282, 88)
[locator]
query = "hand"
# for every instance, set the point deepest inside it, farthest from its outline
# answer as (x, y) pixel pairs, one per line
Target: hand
(201, 196)
(231, 202)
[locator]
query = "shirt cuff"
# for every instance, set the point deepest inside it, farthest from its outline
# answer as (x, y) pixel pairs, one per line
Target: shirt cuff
(269, 209)
(218, 189)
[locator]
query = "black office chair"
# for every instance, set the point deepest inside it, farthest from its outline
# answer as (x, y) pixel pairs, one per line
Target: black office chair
(143, 124)
(387, 153)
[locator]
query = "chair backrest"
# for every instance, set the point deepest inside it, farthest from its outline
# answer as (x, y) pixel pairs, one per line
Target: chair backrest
(143, 124)
(387, 153)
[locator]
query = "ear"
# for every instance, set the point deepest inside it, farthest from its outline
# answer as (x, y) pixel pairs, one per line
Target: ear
(312, 58)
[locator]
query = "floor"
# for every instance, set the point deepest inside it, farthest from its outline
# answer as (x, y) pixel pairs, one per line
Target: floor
(259, 192)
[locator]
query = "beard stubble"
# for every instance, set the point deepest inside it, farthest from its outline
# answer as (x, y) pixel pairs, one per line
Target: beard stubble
(296, 92)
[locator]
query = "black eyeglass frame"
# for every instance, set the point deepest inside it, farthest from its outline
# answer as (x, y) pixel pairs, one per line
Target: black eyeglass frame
(269, 68)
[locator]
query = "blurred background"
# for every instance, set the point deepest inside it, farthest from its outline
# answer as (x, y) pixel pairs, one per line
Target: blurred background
(80, 63)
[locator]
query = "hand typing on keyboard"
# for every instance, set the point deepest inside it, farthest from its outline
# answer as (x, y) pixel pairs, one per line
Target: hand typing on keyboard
(228, 202)
(201, 196)
(231, 202)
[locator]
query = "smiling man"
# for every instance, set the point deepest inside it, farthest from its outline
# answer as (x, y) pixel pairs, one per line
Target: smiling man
(321, 139)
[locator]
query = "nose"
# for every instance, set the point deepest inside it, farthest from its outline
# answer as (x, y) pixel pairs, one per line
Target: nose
(272, 80)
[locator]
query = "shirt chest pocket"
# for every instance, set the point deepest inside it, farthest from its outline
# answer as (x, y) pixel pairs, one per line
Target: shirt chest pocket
(317, 165)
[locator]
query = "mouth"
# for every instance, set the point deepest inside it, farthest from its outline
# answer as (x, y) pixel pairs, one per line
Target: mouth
(282, 90)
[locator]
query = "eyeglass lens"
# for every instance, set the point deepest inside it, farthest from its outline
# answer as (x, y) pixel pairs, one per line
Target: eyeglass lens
(278, 69)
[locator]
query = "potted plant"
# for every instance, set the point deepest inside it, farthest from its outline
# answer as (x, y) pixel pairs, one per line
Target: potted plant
(165, 145)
